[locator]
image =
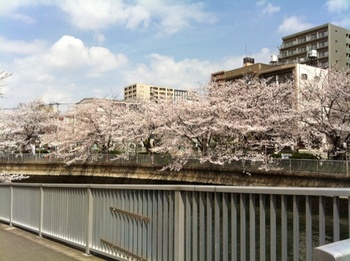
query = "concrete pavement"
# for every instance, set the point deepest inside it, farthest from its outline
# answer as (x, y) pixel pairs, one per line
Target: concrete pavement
(19, 245)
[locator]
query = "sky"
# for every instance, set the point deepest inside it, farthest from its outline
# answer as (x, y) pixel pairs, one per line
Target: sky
(63, 51)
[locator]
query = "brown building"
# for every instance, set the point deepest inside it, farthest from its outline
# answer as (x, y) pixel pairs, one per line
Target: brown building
(280, 73)
(248, 68)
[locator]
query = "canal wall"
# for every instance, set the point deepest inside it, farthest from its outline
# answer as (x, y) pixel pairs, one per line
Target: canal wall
(56, 172)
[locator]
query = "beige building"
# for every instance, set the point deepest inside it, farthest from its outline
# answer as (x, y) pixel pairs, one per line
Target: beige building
(299, 73)
(322, 46)
(139, 91)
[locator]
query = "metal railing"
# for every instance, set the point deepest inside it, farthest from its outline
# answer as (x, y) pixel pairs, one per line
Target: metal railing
(149, 222)
(337, 167)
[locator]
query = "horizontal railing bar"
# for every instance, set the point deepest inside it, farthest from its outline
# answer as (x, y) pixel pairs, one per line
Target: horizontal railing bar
(306, 191)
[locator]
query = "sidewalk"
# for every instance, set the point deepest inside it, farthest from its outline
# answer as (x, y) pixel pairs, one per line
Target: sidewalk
(20, 245)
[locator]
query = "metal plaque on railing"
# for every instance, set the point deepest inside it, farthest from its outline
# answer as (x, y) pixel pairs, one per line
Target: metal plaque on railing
(136, 216)
(123, 251)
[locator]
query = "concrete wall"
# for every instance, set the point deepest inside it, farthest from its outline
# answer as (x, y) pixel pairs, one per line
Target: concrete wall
(132, 174)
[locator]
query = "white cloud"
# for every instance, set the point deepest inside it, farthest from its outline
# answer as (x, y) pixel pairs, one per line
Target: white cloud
(24, 18)
(103, 60)
(261, 2)
(71, 53)
(93, 15)
(100, 38)
(21, 47)
(172, 18)
(69, 71)
(339, 9)
(68, 52)
(342, 21)
(8, 7)
(268, 8)
(165, 71)
(293, 24)
(66, 71)
(168, 18)
(185, 74)
(337, 6)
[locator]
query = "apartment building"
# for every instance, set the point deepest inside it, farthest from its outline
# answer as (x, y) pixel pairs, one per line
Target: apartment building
(139, 91)
(280, 73)
(248, 68)
(322, 46)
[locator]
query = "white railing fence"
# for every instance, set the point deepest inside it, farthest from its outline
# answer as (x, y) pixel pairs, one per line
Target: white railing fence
(150, 222)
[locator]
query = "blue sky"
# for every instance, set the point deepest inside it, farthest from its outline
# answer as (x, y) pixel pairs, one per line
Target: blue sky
(65, 50)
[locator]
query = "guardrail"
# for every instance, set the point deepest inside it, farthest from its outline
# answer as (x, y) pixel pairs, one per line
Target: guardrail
(149, 222)
(337, 167)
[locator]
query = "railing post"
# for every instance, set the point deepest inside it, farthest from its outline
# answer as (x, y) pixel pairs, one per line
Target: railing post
(41, 211)
(308, 227)
(11, 205)
(179, 251)
(89, 221)
(336, 223)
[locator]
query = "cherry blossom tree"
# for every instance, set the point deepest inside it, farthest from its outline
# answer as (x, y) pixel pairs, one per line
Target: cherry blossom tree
(256, 117)
(188, 127)
(140, 124)
(24, 126)
(324, 107)
(3, 75)
(247, 119)
(227, 121)
(8, 177)
(91, 129)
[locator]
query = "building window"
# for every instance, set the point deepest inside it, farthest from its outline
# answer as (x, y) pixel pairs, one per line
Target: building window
(313, 36)
(293, 51)
(323, 44)
(323, 34)
(313, 46)
(302, 39)
(302, 49)
(323, 54)
(304, 76)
